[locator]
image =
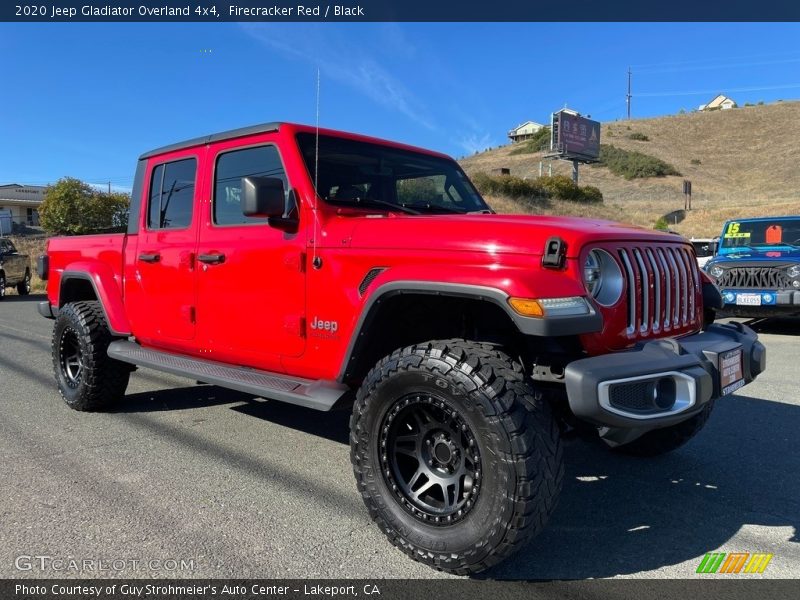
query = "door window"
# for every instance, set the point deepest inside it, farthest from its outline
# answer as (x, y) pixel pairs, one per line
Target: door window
(172, 195)
(261, 161)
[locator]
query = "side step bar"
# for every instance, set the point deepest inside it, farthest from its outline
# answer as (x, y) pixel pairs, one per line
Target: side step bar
(316, 394)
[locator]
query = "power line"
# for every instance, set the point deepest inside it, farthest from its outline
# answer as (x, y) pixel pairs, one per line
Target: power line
(792, 56)
(790, 86)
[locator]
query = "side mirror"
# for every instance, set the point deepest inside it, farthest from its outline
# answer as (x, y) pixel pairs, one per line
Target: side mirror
(263, 197)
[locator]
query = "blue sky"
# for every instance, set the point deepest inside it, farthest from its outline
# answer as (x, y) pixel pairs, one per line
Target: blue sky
(86, 99)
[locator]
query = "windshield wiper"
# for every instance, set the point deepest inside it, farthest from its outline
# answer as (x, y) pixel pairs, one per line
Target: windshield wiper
(437, 207)
(390, 205)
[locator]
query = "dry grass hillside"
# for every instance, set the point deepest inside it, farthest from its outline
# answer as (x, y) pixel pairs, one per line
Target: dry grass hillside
(742, 162)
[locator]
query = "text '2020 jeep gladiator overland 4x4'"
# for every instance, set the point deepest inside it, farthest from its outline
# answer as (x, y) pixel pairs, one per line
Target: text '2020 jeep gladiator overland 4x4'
(300, 266)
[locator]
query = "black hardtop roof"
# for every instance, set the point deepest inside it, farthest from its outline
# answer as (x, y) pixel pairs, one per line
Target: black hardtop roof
(214, 137)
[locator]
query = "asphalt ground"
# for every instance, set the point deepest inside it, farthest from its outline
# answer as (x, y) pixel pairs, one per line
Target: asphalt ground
(228, 485)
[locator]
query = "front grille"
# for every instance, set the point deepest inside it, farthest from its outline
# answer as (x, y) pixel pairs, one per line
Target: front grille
(662, 285)
(754, 278)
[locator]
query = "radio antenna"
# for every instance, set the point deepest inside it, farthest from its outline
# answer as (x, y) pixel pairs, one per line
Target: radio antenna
(316, 261)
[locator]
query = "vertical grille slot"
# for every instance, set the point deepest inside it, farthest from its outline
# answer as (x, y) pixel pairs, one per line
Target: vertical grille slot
(644, 289)
(631, 285)
(669, 286)
(657, 275)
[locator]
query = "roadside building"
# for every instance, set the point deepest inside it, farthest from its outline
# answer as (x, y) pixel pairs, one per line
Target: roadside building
(19, 204)
(524, 131)
(721, 102)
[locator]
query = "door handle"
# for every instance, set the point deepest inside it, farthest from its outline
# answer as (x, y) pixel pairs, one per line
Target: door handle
(211, 259)
(150, 258)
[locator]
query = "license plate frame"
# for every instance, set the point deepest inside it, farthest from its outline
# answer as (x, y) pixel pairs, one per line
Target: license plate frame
(748, 299)
(731, 371)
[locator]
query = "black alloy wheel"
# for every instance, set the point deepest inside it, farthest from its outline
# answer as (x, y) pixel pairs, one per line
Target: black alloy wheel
(430, 459)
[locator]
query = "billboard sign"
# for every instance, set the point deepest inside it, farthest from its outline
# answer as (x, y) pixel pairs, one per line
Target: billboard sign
(574, 136)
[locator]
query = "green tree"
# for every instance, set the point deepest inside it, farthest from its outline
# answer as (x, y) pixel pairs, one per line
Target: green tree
(72, 207)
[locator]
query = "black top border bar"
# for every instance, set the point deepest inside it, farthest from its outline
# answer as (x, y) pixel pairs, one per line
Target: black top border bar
(40, 11)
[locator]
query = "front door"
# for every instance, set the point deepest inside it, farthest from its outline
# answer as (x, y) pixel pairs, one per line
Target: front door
(251, 284)
(163, 282)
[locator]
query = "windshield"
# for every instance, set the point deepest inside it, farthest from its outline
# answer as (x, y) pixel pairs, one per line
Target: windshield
(760, 234)
(352, 173)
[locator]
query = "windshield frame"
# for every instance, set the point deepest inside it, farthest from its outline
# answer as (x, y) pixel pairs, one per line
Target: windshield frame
(386, 182)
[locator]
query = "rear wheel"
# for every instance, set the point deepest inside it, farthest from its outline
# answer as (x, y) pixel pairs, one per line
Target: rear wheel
(24, 286)
(667, 439)
(455, 455)
(87, 378)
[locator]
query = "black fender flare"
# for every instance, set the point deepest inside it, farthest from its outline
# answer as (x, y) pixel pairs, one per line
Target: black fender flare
(543, 327)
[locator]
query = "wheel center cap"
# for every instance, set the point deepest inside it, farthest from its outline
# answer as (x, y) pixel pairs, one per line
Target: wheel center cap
(442, 452)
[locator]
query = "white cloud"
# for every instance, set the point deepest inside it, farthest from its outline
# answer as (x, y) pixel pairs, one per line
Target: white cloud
(351, 63)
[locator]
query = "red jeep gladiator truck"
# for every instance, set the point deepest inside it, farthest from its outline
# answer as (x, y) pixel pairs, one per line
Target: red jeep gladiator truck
(324, 269)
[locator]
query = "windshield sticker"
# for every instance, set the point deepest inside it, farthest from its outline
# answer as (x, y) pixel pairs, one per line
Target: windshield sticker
(732, 231)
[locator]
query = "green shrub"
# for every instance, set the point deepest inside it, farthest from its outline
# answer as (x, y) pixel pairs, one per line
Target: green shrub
(661, 224)
(695, 161)
(557, 187)
(539, 142)
(72, 207)
(633, 165)
(638, 137)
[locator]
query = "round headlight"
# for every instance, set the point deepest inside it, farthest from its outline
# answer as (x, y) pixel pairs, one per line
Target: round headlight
(592, 276)
(793, 271)
(716, 271)
(602, 277)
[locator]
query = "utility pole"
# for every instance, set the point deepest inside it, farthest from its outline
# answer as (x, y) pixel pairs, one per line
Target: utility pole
(109, 188)
(628, 95)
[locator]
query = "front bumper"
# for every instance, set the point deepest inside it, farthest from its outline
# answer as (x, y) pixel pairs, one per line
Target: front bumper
(733, 298)
(689, 368)
(47, 310)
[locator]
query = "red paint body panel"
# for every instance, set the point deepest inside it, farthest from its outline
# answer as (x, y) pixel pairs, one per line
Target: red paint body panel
(257, 307)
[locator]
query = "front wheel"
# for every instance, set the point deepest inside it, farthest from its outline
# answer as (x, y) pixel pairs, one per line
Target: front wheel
(455, 455)
(87, 378)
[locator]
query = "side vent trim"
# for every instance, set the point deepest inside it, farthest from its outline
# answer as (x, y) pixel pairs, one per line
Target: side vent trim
(369, 278)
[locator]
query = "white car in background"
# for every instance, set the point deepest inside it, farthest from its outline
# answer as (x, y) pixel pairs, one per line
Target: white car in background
(705, 248)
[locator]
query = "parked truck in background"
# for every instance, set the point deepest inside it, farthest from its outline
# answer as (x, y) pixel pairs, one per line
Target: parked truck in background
(328, 269)
(15, 269)
(757, 267)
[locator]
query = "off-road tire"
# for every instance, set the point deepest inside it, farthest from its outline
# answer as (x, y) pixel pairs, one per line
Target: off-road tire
(101, 381)
(24, 286)
(516, 434)
(660, 441)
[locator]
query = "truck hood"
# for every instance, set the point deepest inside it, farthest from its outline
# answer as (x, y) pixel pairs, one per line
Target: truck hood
(480, 232)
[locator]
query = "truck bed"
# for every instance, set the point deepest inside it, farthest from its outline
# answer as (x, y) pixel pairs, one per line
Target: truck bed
(67, 252)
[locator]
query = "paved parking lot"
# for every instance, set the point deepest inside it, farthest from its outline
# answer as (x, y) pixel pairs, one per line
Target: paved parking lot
(242, 487)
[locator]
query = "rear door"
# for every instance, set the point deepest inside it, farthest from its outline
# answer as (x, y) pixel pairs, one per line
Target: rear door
(251, 287)
(162, 296)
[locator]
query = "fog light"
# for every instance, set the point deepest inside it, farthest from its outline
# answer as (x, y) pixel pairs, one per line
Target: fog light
(664, 393)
